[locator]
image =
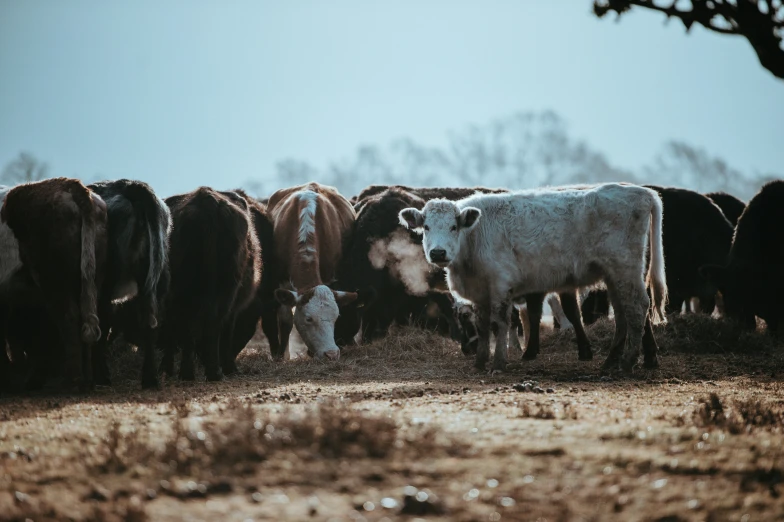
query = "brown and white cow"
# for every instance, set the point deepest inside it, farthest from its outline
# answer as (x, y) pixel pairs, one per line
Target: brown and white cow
(60, 226)
(311, 224)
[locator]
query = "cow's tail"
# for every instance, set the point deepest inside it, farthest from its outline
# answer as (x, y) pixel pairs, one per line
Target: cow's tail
(88, 299)
(657, 281)
(157, 218)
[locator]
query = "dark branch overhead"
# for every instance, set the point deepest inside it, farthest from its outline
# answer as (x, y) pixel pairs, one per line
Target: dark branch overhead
(760, 22)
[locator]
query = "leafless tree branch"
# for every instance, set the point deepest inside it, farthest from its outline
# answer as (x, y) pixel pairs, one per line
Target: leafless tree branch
(761, 23)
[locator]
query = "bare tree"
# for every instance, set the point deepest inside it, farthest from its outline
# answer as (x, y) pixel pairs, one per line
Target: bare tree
(760, 22)
(683, 165)
(24, 169)
(525, 150)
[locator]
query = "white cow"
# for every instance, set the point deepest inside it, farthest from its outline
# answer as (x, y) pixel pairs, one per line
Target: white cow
(498, 247)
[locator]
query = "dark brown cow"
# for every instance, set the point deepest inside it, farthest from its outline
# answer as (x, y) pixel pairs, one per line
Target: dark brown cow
(215, 267)
(751, 281)
(264, 306)
(60, 226)
(311, 224)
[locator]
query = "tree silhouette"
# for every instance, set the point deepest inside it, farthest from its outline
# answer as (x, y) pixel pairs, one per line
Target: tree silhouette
(760, 22)
(523, 150)
(24, 169)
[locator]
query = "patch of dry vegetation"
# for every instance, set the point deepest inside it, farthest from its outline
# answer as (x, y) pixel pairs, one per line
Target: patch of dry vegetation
(740, 416)
(406, 353)
(242, 437)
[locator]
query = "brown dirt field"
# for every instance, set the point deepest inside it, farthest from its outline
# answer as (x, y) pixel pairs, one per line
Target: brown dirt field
(404, 429)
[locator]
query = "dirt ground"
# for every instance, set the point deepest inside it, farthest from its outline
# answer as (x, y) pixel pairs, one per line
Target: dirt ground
(404, 429)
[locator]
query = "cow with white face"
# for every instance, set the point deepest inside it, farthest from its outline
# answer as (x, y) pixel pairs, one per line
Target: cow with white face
(311, 224)
(497, 248)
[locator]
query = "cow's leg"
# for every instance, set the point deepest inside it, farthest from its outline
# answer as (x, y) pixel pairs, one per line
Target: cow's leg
(285, 325)
(571, 310)
(636, 310)
(707, 303)
(168, 343)
(500, 316)
(210, 349)
(619, 337)
(102, 375)
(515, 330)
(147, 341)
(675, 302)
(650, 349)
(534, 303)
(269, 325)
(560, 320)
(525, 321)
(67, 317)
(187, 346)
(470, 333)
(227, 351)
(483, 329)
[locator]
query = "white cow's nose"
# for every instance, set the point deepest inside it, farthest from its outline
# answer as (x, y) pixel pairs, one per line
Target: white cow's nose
(333, 355)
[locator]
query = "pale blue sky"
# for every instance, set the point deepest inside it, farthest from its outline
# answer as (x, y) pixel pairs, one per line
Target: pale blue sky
(188, 93)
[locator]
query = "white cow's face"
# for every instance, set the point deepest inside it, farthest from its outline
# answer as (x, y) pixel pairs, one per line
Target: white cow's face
(315, 316)
(442, 222)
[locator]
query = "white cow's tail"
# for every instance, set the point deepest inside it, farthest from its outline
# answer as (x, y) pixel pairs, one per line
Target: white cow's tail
(657, 281)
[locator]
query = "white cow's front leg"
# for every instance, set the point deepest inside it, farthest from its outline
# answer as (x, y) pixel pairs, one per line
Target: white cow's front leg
(501, 317)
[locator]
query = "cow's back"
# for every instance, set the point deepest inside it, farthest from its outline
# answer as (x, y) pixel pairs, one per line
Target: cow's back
(547, 239)
(331, 228)
(207, 248)
(46, 218)
(759, 236)
(730, 206)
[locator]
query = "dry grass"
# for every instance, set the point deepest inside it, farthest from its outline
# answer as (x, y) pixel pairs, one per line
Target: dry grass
(410, 354)
(739, 416)
(242, 436)
(405, 427)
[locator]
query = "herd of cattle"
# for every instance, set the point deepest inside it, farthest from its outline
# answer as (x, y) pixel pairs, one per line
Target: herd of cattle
(195, 273)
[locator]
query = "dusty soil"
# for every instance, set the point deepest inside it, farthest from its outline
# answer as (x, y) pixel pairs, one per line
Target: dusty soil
(405, 429)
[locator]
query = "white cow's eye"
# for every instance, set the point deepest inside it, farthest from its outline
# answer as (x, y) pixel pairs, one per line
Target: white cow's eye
(454, 227)
(427, 228)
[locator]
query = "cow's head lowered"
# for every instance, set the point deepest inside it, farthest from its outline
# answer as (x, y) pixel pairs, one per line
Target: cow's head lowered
(442, 222)
(315, 316)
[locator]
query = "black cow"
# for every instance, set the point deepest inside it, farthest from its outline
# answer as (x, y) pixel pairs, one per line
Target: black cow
(137, 261)
(695, 232)
(752, 281)
(215, 266)
(731, 206)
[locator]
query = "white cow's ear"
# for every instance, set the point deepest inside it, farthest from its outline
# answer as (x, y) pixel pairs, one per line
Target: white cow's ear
(411, 218)
(286, 297)
(469, 217)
